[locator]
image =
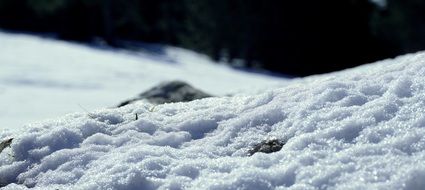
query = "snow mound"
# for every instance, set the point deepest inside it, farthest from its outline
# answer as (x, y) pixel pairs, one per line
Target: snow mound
(43, 78)
(361, 128)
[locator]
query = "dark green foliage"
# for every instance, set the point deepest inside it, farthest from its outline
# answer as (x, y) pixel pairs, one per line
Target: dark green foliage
(402, 24)
(297, 37)
(46, 7)
(292, 37)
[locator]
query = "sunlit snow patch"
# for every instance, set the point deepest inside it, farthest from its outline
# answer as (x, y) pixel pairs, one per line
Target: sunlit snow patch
(357, 129)
(43, 78)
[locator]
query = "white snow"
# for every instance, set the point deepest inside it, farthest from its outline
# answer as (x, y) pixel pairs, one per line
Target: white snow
(361, 128)
(43, 78)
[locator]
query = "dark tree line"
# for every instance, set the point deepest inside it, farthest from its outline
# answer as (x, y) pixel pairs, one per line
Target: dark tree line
(292, 37)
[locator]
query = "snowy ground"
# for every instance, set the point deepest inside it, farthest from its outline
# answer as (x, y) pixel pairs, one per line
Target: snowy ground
(42, 78)
(361, 128)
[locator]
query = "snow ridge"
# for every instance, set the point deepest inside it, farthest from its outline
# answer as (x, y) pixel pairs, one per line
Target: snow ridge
(357, 129)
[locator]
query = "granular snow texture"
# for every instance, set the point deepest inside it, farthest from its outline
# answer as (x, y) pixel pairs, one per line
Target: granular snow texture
(362, 128)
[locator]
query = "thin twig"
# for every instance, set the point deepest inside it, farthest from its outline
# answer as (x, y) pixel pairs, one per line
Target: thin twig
(88, 113)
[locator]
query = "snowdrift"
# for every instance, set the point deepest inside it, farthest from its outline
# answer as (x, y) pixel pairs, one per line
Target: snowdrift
(45, 78)
(361, 128)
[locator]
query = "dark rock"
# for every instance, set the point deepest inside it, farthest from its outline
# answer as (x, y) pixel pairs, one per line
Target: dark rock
(5, 144)
(168, 92)
(267, 146)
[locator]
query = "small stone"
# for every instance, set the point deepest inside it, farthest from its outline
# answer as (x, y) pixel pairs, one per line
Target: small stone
(5, 144)
(169, 92)
(267, 146)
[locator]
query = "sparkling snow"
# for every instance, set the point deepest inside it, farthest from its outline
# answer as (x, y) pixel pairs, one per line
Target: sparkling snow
(362, 128)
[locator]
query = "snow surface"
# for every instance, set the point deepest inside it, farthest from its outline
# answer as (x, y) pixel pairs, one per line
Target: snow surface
(361, 128)
(43, 78)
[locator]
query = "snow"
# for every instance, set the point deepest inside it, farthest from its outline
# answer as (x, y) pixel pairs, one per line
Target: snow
(380, 3)
(361, 128)
(50, 78)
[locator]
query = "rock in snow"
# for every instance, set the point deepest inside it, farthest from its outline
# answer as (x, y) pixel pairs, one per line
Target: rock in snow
(267, 146)
(6, 143)
(361, 128)
(169, 92)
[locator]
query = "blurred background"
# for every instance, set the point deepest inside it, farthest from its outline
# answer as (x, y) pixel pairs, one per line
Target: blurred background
(292, 37)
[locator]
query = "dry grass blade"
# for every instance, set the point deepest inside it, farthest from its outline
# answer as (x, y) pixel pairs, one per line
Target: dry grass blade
(88, 113)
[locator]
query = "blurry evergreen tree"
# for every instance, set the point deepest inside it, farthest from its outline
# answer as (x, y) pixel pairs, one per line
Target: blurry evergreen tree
(289, 36)
(15, 14)
(402, 24)
(294, 37)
